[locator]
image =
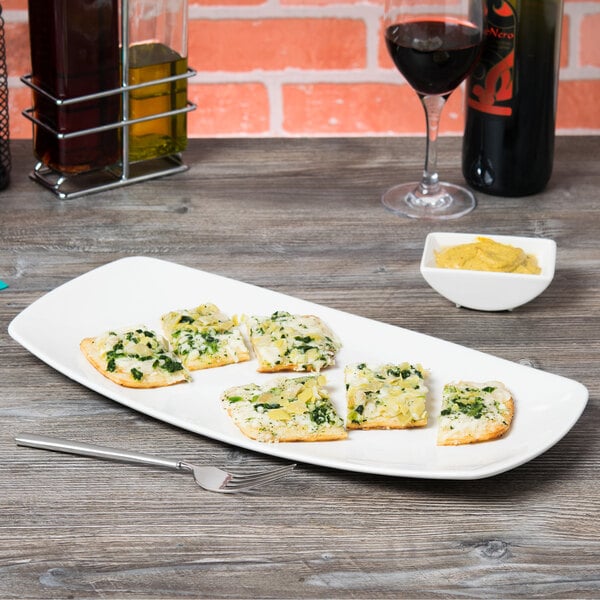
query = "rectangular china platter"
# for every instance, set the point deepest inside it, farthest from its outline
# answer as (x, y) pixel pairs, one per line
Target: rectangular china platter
(138, 290)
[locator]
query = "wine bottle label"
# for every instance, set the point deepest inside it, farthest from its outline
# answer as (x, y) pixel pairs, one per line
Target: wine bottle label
(491, 83)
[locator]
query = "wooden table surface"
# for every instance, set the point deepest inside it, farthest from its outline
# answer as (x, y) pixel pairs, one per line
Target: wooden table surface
(302, 217)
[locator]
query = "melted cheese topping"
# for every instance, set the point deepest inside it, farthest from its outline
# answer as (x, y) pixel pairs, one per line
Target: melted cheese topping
(292, 342)
(470, 410)
(140, 352)
(284, 405)
(391, 395)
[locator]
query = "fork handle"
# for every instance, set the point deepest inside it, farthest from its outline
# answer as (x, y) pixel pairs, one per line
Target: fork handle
(70, 447)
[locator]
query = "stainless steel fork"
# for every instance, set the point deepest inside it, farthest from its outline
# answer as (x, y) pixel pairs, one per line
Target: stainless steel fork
(209, 478)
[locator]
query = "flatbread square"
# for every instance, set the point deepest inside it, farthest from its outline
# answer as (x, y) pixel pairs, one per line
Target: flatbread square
(204, 337)
(474, 412)
(285, 409)
(388, 396)
(135, 357)
(287, 342)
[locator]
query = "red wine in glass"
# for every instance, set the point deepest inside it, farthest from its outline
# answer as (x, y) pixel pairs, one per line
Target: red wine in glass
(434, 55)
(434, 51)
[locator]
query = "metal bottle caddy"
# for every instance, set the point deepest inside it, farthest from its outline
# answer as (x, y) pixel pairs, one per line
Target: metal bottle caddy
(125, 172)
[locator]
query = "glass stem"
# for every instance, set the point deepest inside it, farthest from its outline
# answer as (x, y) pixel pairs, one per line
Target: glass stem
(433, 106)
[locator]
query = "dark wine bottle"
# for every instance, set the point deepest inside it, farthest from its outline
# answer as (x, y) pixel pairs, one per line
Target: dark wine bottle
(508, 145)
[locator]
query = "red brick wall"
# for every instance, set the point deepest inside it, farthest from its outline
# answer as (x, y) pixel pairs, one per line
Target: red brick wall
(318, 67)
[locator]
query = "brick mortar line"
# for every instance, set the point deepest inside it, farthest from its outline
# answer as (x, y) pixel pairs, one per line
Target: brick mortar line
(247, 13)
(580, 73)
(14, 16)
(276, 112)
(377, 75)
(267, 12)
(372, 23)
(349, 134)
(330, 11)
(270, 9)
(576, 14)
(316, 76)
(586, 7)
(574, 43)
(442, 134)
(341, 11)
(299, 76)
(279, 11)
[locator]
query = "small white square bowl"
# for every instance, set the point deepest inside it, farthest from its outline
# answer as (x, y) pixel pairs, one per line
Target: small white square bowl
(485, 290)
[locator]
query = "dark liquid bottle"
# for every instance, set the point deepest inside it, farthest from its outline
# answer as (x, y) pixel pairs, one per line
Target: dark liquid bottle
(508, 146)
(75, 52)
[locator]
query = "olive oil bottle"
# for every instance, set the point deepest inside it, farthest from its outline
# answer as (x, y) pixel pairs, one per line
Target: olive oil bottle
(157, 49)
(165, 135)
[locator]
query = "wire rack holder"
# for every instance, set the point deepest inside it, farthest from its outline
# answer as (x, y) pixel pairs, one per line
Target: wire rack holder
(124, 172)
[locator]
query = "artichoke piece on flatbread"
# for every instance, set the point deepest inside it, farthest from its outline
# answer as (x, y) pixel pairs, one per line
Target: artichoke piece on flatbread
(388, 396)
(204, 337)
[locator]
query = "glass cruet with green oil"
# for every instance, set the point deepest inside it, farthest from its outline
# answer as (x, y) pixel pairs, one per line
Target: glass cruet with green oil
(157, 50)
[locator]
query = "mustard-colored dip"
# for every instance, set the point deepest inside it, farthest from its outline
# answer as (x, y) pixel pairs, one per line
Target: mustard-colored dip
(487, 255)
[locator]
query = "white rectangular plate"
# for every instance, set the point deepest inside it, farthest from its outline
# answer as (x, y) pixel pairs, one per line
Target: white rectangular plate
(138, 290)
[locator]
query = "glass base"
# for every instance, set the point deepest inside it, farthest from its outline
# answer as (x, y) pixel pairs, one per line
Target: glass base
(448, 202)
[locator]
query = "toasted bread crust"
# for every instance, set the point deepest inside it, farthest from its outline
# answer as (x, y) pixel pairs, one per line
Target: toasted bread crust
(385, 424)
(268, 368)
(291, 434)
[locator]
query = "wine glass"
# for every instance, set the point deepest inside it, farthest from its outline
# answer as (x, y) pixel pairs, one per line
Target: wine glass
(434, 46)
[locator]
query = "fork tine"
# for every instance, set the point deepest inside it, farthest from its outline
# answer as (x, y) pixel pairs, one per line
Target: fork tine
(241, 478)
(254, 484)
(239, 484)
(258, 478)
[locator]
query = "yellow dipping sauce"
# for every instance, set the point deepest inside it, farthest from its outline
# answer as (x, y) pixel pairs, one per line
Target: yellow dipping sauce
(487, 255)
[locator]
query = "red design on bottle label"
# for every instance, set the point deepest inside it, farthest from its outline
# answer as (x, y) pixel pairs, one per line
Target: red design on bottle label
(491, 83)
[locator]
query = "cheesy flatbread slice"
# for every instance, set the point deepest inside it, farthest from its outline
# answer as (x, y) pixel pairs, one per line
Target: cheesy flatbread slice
(204, 337)
(295, 409)
(474, 412)
(286, 342)
(136, 357)
(389, 396)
